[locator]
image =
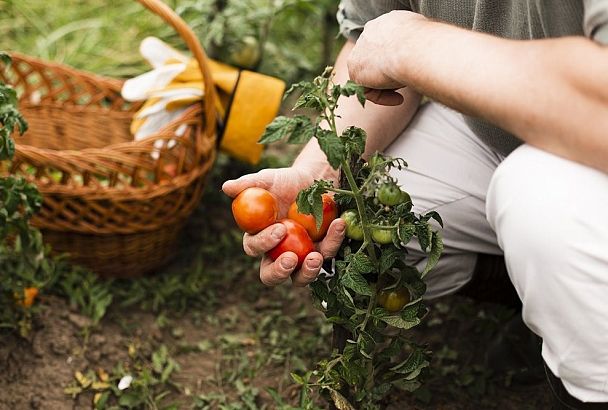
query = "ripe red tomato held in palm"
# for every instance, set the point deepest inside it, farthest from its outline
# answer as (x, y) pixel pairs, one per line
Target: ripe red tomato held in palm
(255, 209)
(296, 240)
(330, 212)
(394, 300)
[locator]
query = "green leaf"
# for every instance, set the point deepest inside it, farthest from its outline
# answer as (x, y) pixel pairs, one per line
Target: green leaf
(366, 344)
(332, 146)
(354, 140)
(434, 252)
(400, 323)
(360, 263)
(310, 200)
(297, 130)
(413, 365)
(434, 215)
(351, 88)
(297, 379)
(388, 259)
(406, 231)
(356, 282)
(424, 232)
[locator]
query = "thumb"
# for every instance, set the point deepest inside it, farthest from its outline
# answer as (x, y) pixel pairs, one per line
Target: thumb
(330, 245)
(233, 187)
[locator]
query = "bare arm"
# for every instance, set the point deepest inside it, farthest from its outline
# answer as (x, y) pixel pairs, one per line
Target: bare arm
(553, 93)
(382, 123)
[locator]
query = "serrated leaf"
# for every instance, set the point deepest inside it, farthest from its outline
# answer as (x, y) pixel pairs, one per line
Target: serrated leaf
(360, 263)
(412, 365)
(388, 259)
(366, 344)
(310, 200)
(351, 88)
(354, 140)
(434, 252)
(424, 232)
(400, 323)
(297, 130)
(357, 283)
(434, 215)
(332, 147)
(406, 231)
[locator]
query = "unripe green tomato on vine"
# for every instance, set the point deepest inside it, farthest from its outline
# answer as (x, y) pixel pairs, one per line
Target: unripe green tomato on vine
(389, 194)
(382, 236)
(394, 300)
(354, 230)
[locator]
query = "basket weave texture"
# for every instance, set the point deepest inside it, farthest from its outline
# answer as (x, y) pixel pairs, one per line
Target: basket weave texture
(114, 204)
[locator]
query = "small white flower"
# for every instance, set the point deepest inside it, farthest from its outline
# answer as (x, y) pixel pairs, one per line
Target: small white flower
(324, 304)
(125, 382)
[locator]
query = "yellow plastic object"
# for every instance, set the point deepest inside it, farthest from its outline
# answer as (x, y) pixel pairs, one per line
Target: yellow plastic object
(255, 103)
(247, 102)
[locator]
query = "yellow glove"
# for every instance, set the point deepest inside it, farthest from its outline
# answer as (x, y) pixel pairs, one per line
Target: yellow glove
(246, 103)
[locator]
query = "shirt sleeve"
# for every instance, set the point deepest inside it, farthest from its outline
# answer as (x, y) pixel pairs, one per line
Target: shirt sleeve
(353, 14)
(596, 20)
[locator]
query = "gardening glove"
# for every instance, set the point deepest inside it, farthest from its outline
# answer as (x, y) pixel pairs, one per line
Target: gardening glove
(246, 102)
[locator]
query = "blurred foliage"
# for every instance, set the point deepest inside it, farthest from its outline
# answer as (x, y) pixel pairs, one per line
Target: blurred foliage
(103, 36)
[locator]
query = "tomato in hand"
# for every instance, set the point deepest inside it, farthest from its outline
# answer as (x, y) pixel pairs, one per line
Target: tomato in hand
(394, 300)
(389, 194)
(296, 240)
(354, 230)
(330, 212)
(255, 209)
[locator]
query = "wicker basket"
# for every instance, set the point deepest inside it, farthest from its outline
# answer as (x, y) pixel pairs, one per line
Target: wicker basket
(114, 204)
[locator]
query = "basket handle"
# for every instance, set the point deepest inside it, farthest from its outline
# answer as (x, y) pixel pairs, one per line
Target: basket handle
(186, 33)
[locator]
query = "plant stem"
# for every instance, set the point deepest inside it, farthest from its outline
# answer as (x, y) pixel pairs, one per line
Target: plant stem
(341, 191)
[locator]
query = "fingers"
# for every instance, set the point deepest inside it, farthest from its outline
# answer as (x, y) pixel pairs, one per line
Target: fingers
(262, 242)
(273, 273)
(233, 187)
(330, 245)
(384, 97)
(309, 271)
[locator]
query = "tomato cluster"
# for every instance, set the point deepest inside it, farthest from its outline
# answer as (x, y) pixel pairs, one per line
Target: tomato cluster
(255, 209)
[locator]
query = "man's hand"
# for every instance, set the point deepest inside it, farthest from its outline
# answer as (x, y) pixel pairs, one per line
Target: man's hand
(373, 62)
(284, 183)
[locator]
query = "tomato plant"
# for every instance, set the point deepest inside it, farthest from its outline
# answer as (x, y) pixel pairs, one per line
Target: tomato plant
(372, 354)
(255, 209)
(330, 212)
(296, 240)
(354, 230)
(394, 300)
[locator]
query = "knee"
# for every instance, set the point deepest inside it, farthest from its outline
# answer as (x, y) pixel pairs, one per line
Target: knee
(527, 205)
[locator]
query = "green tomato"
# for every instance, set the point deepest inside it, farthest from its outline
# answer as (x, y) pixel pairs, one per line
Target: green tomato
(354, 230)
(382, 236)
(246, 54)
(405, 197)
(389, 194)
(394, 300)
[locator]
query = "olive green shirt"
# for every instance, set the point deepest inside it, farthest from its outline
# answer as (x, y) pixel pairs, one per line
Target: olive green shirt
(513, 19)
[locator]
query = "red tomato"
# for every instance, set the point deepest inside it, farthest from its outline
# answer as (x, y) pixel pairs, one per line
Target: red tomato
(255, 209)
(330, 212)
(296, 240)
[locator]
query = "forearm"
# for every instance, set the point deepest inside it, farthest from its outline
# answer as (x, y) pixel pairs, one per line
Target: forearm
(553, 94)
(382, 124)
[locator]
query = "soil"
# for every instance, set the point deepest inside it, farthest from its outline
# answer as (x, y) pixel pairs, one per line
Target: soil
(36, 371)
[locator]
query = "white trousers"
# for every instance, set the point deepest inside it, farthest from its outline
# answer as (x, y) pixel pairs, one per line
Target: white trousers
(548, 215)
